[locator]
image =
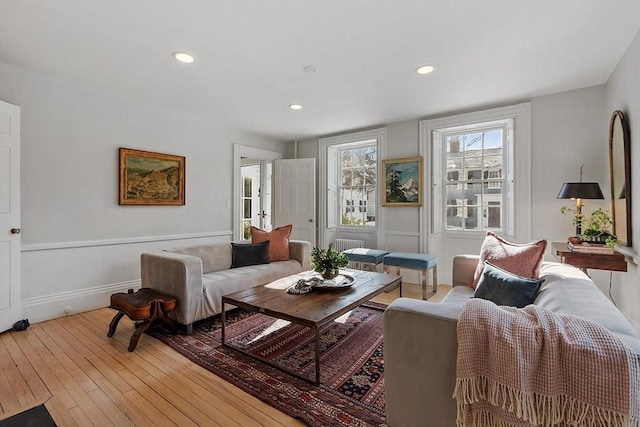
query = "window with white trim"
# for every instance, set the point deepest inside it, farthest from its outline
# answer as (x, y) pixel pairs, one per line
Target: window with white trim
(474, 170)
(348, 200)
(357, 180)
(474, 161)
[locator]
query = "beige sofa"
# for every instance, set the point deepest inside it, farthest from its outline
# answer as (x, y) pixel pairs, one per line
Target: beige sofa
(420, 342)
(200, 275)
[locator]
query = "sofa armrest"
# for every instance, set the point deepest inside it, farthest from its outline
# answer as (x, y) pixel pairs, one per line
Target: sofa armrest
(300, 250)
(178, 275)
(464, 267)
(420, 347)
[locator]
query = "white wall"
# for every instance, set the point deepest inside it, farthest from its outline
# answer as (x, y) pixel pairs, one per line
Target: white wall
(568, 130)
(622, 92)
(79, 245)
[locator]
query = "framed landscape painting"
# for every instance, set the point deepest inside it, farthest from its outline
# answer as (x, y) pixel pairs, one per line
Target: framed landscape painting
(148, 178)
(402, 182)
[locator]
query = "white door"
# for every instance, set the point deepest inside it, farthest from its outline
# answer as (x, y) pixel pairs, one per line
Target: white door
(294, 197)
(10, 303)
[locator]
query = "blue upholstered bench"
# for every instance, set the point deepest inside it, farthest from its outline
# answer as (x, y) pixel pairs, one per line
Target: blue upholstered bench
(422, 262)
(367, 258)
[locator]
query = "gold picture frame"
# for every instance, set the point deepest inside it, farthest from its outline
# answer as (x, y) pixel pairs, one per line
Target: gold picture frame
(402, 182)
(148, 178)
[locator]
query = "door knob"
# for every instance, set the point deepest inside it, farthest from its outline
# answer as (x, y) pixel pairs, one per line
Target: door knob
(15, 231)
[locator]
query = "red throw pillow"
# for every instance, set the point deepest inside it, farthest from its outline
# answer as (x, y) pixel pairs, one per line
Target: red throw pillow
(521, 259)
(278, 241)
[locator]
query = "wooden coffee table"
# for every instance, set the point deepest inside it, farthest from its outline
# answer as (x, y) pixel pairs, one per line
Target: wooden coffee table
(312, 310)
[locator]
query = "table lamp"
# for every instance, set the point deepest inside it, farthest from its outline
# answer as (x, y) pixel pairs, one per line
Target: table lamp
(578, 191)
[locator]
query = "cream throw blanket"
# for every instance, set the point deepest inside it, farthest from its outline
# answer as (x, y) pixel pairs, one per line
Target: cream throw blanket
(531, 367)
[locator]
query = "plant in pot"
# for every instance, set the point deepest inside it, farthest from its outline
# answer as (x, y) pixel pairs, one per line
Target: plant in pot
(328, 262)
(596, 229)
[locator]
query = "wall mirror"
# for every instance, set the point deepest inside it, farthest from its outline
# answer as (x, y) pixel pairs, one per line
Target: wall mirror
(620, 170)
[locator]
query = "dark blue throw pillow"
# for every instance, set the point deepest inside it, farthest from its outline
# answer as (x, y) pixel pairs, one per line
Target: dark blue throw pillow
(504, 288)
(243, 254)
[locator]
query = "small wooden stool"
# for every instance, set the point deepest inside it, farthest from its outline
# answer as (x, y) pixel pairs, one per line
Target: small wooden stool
(143, 307)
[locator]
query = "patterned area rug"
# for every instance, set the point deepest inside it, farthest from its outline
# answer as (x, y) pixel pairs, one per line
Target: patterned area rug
(351, 392)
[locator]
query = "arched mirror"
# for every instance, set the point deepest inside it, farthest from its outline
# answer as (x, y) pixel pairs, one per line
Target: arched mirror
(620, 169)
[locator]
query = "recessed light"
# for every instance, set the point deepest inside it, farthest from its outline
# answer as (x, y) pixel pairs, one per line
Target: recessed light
(183, 57)
(295, 106)
(424, 69)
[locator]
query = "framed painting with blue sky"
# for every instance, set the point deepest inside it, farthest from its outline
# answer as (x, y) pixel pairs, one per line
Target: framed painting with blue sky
(402, 182)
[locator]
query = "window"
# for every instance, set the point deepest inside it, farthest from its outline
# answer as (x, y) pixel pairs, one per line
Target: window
(477, 155)
(347, 184)
(479, 180)
(357, 188)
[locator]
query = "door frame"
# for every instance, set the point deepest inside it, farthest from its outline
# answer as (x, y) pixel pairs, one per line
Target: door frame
(240, 151)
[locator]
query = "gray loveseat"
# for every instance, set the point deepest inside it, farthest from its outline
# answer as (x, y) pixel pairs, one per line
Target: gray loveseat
(420, 341)
(200, 275)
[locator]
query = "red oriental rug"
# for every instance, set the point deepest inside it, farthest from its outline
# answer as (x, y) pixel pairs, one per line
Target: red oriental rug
(351, 392)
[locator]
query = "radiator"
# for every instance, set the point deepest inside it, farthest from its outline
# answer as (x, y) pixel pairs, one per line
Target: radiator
(344, 244)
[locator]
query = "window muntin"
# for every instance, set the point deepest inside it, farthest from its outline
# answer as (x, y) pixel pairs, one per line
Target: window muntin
(357, 184)
(474, 160)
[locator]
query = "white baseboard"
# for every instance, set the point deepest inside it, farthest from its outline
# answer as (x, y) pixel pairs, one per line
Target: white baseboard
(52, 306)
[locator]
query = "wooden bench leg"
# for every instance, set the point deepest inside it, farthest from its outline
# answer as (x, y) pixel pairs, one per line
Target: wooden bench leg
(114, 323)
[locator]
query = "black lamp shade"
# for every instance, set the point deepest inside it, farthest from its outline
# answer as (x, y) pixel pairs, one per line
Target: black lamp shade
(580, 190)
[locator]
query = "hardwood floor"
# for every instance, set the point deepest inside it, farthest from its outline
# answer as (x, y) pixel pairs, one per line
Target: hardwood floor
(87, 379)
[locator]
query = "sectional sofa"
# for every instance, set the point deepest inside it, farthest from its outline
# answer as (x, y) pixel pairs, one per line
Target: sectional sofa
(420, 341)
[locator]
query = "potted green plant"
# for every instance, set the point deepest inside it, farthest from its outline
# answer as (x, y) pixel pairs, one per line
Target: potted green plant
(328, 262)
(595, 229)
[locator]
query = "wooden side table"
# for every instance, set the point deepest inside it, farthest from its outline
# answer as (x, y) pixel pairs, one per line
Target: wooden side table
(584, 260)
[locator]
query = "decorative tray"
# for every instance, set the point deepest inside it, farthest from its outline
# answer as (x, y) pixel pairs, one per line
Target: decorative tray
(304, 286)
(341, 281)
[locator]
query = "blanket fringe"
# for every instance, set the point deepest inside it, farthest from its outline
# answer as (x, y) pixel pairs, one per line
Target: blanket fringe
(531, 408)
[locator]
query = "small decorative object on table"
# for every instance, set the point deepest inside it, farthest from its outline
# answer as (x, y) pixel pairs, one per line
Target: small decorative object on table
(304, 286)
(328, 262)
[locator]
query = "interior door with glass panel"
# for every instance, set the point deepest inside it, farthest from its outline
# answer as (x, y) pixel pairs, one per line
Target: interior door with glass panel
(256, 195)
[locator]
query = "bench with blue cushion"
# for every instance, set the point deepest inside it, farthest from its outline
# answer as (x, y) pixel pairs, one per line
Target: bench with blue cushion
(413, 261)
(365, 259)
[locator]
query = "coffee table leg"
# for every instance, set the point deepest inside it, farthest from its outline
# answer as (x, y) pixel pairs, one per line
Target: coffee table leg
(317, 355)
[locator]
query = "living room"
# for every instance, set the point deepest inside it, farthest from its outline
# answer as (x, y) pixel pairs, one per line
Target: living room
(78, 245)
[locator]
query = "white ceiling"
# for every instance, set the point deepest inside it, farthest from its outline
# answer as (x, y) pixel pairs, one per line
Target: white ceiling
(250, 54)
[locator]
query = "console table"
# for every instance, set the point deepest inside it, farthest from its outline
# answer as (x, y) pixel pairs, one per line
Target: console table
(584, 260)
